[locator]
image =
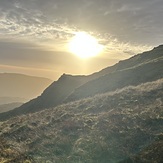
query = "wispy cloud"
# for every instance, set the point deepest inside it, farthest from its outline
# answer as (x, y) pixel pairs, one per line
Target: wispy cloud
(47, 21)
(32, 26)
(47, 34)
(124, 27)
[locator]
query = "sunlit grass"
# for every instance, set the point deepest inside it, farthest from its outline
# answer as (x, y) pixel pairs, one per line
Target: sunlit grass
(110, 126)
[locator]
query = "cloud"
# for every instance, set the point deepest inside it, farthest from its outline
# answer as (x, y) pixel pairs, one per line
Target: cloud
(19, 20)
(50, 20)
(34, 33)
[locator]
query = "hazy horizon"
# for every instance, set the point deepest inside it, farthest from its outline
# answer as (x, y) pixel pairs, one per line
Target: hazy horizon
(34, 35)
(83, 81)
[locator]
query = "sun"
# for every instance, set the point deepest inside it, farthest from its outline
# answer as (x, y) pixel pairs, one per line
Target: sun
(84, 45)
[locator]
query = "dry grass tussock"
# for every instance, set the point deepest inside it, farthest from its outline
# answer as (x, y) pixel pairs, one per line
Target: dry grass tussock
(105, 128)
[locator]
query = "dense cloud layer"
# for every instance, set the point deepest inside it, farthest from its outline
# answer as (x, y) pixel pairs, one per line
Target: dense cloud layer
(125, 19)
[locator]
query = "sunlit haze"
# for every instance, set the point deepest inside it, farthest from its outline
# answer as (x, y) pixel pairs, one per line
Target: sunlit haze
(81, 81)
(44, 38)
(85, 45)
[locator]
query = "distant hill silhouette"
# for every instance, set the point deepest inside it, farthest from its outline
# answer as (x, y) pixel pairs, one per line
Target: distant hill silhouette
(141, 68)
(21, 86)
(9, 106)
(7, 100)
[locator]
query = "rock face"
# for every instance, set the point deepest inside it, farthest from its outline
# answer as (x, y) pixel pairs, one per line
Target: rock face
(138, 69)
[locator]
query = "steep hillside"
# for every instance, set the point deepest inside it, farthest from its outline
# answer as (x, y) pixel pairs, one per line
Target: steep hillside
(54, 95)
(141, 68)
(138, 69)
(152, 153)
(146, 72)
(136, 60)
(22, 86)
(107, 128)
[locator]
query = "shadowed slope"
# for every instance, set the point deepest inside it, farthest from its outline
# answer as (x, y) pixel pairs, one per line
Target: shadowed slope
(136, 60)
(54, 95)
(151, 154)
(144, 67)
(106, 128)
(146, 72)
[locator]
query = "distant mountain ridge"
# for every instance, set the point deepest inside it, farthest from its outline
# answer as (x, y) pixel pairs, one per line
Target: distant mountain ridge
(7, 100)
(22, 86)
(141, 68)
(9, 106)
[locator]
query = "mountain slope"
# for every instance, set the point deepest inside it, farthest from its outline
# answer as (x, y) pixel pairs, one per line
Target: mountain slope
(22, 86)
(106, 128)
(144, 67)
(152, 153)
(145, 72)
(136, 60)
(54, 95)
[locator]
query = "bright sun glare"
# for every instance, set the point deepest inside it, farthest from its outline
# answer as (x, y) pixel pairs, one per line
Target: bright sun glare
(85, 45)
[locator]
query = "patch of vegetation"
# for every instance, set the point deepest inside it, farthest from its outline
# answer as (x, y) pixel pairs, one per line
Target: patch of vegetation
(9, 153)
(152, 153)
(106, 128)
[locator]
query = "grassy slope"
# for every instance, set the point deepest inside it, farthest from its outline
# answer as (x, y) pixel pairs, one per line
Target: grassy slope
(133, 61)
(151, 154)
(54, 95)
(104, 129)
(10, 154)
(145, 72)
(141, 68)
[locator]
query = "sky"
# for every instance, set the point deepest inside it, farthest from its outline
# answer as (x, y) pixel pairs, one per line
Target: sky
(34, 34)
